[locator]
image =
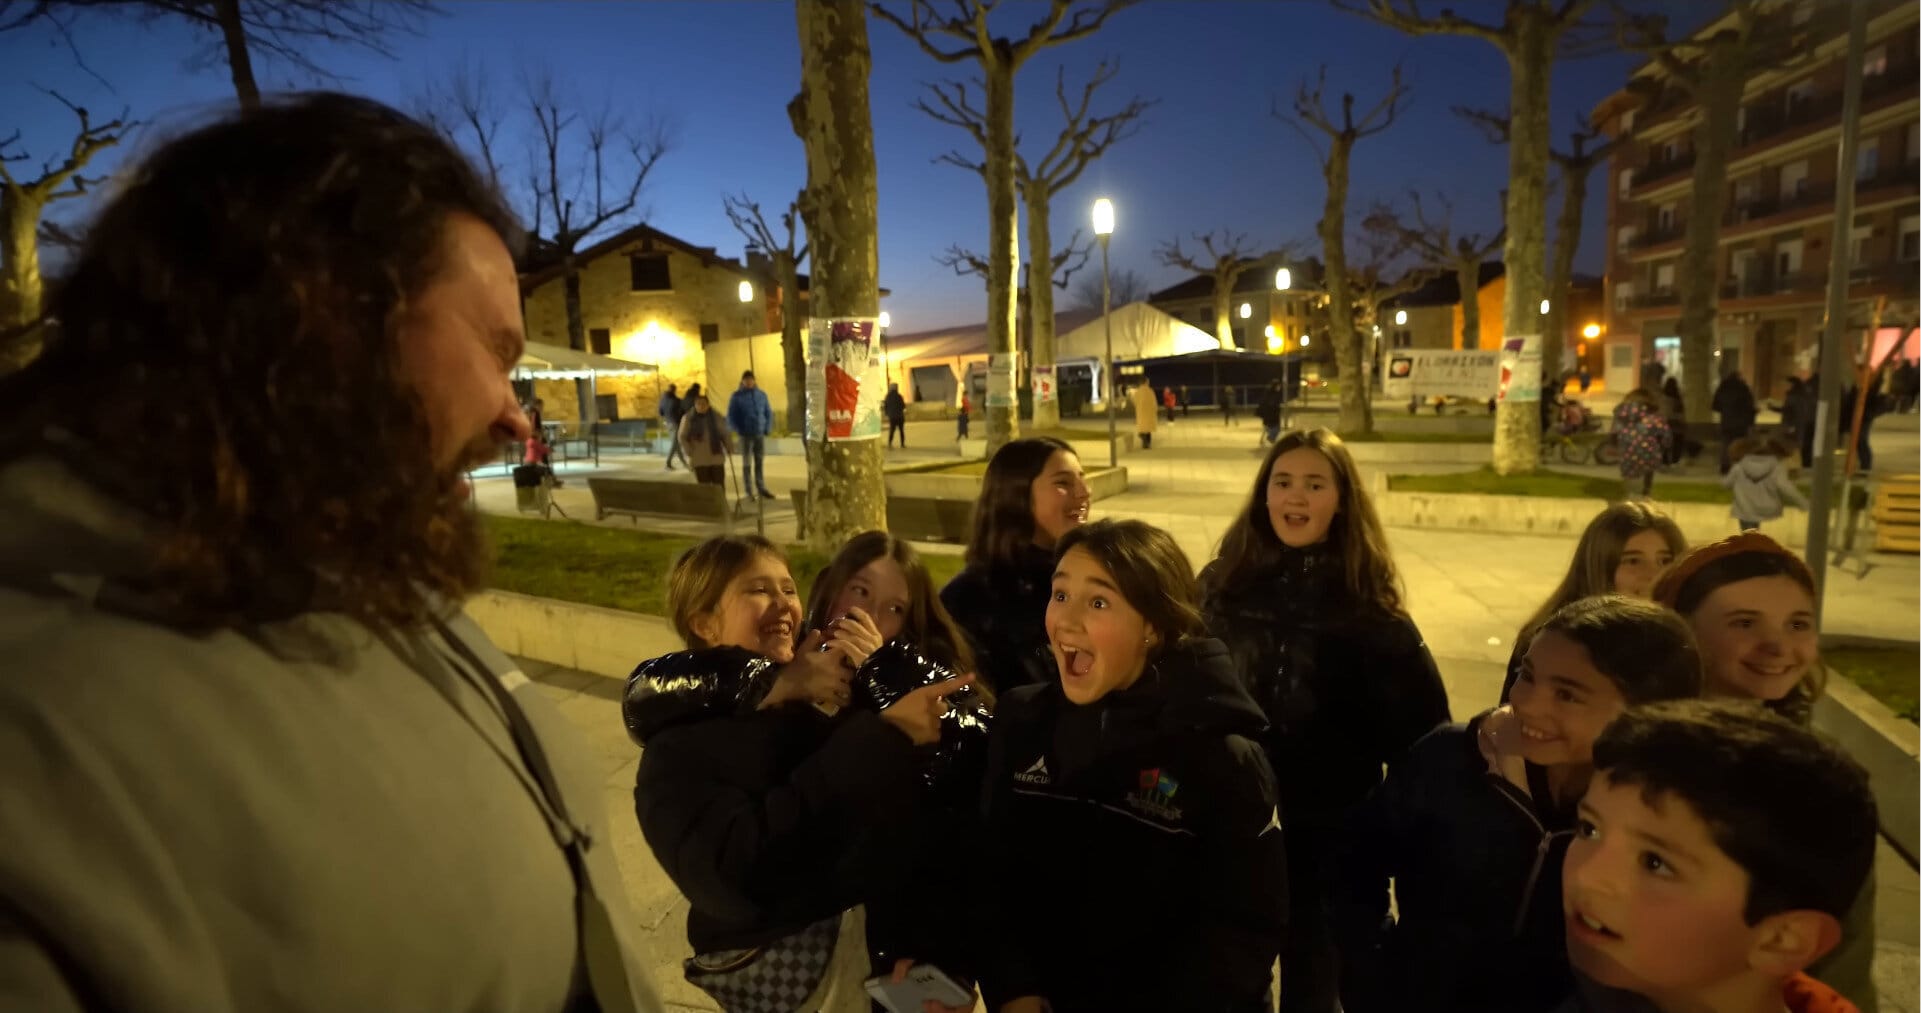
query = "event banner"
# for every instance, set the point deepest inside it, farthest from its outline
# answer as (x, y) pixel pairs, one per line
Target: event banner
(1441, 372)
(1044, 384)
(1000, 381)
(845, 379)
(1521, 368)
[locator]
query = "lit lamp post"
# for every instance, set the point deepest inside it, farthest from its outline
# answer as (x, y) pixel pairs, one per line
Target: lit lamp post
(760, 502)
(1104, 229)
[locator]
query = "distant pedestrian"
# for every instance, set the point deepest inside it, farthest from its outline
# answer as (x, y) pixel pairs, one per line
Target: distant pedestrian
(670, 420)
(1863, 451)
(1644, 439)
(705, 443)
(1186, 403)
(961, 421)
(1584, 377)
(893, 408)
(1734, 405)
(1167, 401)
(752, 418)
(1674, 409)
(1759, 482)
(1797, 414)
(1146, 413)
(1905, 385)
(1269, 412)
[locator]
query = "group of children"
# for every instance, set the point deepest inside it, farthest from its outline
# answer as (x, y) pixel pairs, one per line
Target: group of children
(1082, 777)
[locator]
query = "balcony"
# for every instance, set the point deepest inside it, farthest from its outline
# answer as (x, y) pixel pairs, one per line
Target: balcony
(1764, 123)
(1809, 195)
(1658, 236)
(1654, 300)
(1661, 172)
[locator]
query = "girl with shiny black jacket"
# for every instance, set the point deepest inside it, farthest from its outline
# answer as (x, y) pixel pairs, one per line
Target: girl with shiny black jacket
(1306, 598)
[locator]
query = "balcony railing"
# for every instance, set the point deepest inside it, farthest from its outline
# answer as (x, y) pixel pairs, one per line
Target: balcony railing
(1652, 300)
(1809, 195)
(1657, 172)
(1656, 236)
(1772, 120)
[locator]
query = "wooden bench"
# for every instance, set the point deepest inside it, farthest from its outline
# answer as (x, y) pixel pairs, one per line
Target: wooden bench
(634, 496)
(1897, 513)
(632, 435)
(918, 518)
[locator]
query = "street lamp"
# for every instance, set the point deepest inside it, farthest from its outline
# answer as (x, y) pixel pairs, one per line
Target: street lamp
(1591, 331)
(1400, 318)
(1247, 310)
(1544, 305)
(760, 504)
(1274, 341)
(1103, 230)
(1283, 279)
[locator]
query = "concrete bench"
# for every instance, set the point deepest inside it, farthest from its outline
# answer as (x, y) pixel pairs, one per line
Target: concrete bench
(919, 518)
(632, 496)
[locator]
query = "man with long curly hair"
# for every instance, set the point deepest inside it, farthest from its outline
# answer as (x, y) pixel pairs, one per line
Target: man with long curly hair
(255, 757)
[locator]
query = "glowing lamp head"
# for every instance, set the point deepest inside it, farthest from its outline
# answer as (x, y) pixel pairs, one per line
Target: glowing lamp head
(1400, 318)
(1274, 341)
(746, 291)
(1306, 341)
(1247, 310)
(1591, 331)
(1544, 306)
(886, 320)
(1283, 279)
(1103, 217)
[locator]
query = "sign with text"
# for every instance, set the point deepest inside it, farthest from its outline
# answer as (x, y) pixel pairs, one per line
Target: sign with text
(1000, 381)
(1521, 368)
(844, 379)
(1043, 384)
(1441, 372)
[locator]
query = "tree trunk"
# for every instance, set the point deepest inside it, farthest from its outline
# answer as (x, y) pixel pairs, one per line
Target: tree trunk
(1003, 422)
(20, 285)
(1718, 93)
(793, 347)
(1467, 274)
(1040, 298)
(1224, 312)
(1357, 414)
(577, 339)
(845, 494)
(239, 64)
(1530, 55)
(1561, 282)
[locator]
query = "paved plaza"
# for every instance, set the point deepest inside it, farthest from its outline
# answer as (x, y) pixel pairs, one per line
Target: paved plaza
(1468, 591)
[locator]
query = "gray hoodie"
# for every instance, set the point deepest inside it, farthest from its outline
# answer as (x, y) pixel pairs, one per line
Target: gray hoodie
(1760, 484)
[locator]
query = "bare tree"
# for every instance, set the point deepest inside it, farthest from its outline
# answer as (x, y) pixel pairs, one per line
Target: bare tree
(1383, 255)
(1225, 260)
(1083, 138)
(787, 251)
(1712, 67)
(1574, 164)
(1528, 35)
(24, 197)
(1339, 132)
(1437, 245)
(584, 172)
(845, 490)
(1124, 286)
(287, 30)
(969, 38)
(963, 262)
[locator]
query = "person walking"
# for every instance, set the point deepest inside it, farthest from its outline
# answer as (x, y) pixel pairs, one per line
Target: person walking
(1585, 378)
(961, 421)
(893, 408)
(1759, 483)
(262, 760)
(1269, 412)
(1734, 404)
(1674, 409)
(1168, 402)
(1186, 404)
(1644, 439)
(1863, 451)
(751, 417)
(1797, 413)
(705, 443)
(1146, 412)
(670, 415)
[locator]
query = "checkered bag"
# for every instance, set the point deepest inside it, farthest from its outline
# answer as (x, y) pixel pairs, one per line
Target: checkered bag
(775, 978)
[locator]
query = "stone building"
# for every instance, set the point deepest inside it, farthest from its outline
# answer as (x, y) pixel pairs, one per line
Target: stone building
(1264, 317)
(1778, 223)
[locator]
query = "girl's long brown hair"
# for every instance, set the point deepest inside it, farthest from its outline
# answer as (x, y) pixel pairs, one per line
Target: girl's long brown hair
(1598, 555)
(928, 625)
(1250, 549)
(1004, 513)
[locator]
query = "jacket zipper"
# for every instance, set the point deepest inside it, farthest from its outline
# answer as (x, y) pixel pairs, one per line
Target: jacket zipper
(1512, 794)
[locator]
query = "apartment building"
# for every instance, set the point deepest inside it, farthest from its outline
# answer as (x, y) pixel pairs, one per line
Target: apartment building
(1778, 220)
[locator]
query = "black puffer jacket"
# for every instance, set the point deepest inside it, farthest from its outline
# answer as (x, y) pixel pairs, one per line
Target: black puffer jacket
(1137, 856)
(882, 834)
(1346, 687)
(1476, 863)
(1003, 610)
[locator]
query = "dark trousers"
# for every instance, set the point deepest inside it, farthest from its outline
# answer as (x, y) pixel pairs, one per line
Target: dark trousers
(710, 474)
(897, 426)
(676, 449)
(960, 426)
(753, 463)
(1728, 438)
(1310, 968)
(1147, 440)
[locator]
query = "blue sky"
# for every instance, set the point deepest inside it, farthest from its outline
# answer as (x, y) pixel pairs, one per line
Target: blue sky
(1208, 156)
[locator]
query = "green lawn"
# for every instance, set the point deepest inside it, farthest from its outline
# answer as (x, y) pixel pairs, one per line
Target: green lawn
(1566, 485)
(1889, 674)
(619, 569)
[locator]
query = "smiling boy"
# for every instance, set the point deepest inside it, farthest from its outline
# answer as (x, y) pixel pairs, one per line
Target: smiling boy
(1717, 849)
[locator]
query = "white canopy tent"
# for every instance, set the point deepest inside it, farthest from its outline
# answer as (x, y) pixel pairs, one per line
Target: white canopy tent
(551, 362)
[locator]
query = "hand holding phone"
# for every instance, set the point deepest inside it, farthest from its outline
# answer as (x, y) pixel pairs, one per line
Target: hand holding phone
(919, 988)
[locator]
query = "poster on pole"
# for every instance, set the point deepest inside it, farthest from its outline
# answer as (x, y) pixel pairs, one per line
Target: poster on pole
(1044, 384)
(1000, 381)
(1441, 372)
(844, 379)
(1521, 368)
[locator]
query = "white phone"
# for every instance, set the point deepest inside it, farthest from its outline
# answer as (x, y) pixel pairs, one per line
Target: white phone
(923, 982)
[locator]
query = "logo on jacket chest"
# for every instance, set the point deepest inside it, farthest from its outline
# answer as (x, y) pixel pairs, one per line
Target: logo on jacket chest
(1036, 773)
(1154, 795)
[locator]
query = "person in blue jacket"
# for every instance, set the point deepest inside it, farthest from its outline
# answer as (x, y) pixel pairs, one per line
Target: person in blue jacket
(751, 418)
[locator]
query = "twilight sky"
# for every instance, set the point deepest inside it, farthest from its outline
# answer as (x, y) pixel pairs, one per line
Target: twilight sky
(1209, 155)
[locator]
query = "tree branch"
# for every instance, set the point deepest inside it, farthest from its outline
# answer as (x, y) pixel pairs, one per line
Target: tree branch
(963, 261)
(923, 26)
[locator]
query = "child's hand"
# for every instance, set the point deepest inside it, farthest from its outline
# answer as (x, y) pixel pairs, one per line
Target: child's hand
(1500, 733)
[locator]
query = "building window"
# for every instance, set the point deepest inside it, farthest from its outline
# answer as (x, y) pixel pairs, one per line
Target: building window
(1867, 159)
(1664, 217)
(1744, 190)
(1787, 258)
(1623, 294)
(1875, 62)
(1627, 121)
(1911, 238)
(1670, 150)
(1798, 94)
(1858, 244)
(650, 272)
(1803, 12)
(1794, 179)
(600, 341)
(1664, 279)
(709, 333)
(1627, 181)
(608, 406)
(1624, 237)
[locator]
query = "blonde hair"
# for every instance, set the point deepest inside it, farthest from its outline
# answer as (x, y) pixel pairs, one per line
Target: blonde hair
(701, 575)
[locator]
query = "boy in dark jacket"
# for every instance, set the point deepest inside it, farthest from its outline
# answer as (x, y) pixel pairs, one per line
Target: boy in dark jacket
(1719, 847)
(1472, 825)
(1131, 814)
